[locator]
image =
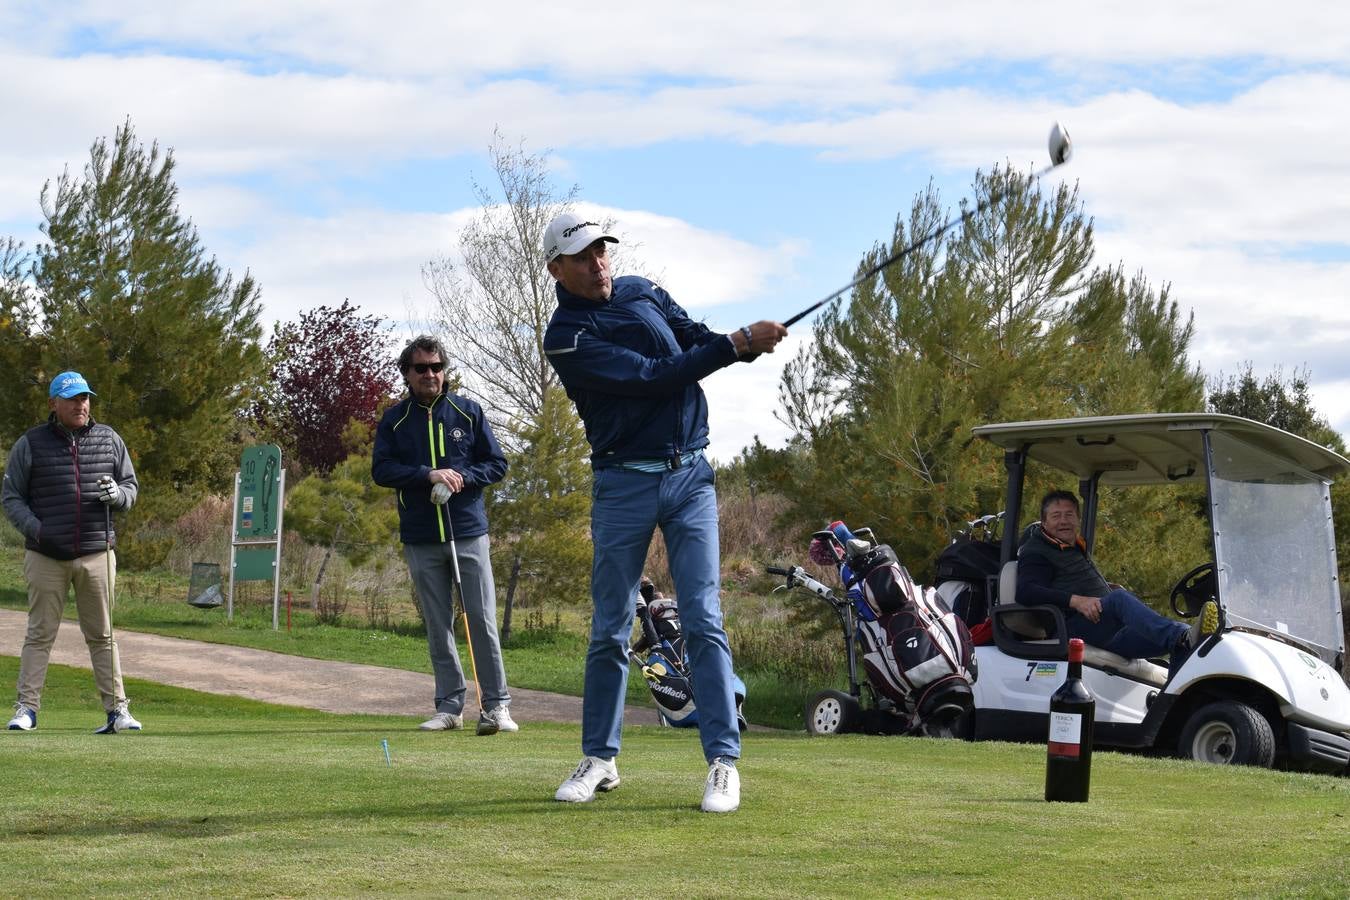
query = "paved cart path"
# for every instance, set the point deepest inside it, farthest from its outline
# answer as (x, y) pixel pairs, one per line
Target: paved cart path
(326, 685)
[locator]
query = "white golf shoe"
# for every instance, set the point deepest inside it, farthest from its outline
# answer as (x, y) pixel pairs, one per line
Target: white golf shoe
(722, 790)
(25, 718)
(442, 722)
(496, 719)
(119, 719)
(593, 774)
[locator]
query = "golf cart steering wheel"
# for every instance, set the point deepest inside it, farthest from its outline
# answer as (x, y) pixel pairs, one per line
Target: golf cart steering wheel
(1194, 588)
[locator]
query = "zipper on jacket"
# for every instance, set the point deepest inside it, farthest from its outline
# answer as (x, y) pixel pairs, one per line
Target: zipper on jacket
(441, 511)
(79, 496)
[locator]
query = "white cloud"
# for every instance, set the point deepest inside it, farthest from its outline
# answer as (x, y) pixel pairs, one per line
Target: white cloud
(372, 257)
(1209, 186)
(796, 40)
(700, 268)
(742, 399)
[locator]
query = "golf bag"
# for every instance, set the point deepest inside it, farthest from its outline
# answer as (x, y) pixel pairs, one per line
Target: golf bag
(660, 655)
(916, 652)
(967, 572)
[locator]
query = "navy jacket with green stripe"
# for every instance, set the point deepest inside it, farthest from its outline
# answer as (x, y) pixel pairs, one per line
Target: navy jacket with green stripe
(451, 433)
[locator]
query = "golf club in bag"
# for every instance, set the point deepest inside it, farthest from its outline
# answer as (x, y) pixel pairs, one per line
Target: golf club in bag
(1060, 151)
(659, 653)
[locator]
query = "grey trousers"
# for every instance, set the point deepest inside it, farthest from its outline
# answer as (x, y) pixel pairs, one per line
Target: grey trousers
(431, 568)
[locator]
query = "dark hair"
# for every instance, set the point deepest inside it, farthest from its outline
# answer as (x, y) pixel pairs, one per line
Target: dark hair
(1059, 497)
(427, 344)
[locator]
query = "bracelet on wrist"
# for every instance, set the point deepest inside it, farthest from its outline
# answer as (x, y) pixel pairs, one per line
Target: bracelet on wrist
(745, 330)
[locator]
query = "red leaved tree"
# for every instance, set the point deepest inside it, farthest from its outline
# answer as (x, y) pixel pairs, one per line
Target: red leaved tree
(331, 368)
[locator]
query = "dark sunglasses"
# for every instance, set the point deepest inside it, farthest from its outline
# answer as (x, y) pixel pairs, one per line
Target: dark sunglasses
(421, 368)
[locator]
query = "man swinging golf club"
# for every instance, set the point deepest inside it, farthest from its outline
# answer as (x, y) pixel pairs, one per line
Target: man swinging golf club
(438, 451)
(631, 360)
(62, 481)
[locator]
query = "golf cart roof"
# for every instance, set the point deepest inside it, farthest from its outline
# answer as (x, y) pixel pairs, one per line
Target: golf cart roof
(1153, 448)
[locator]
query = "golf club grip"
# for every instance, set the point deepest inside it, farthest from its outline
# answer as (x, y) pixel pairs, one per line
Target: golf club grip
(788, 323)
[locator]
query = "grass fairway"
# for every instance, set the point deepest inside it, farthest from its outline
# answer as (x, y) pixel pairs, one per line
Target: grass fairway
(225, 796)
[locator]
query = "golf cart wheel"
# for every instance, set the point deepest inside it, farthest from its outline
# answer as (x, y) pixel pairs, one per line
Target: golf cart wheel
(832, 712)
(1228, 733)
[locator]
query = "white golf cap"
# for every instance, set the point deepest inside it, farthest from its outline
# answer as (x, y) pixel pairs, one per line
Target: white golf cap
(571, 233)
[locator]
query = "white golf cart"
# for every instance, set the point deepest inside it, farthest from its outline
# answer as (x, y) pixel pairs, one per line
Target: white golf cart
(1266, 688)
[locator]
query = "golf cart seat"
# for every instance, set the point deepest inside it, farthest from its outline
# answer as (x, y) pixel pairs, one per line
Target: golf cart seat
(1029, 632)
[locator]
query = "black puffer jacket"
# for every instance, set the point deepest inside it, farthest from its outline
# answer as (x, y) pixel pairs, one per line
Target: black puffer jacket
(51, 488)
(1050, 572)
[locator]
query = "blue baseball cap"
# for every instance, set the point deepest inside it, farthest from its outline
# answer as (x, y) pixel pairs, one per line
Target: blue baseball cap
(69, 384)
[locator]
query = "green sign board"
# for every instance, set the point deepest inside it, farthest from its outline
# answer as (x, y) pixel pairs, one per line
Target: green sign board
(259, 502)
(255, 563)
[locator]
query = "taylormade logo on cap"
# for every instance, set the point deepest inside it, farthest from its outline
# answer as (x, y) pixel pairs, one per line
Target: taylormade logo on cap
(570, 233)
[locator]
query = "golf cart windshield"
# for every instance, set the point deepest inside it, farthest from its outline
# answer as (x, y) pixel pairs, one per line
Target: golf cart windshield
(1274, 544)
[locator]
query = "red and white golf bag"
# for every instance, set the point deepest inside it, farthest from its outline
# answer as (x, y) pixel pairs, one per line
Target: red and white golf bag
(917, 653)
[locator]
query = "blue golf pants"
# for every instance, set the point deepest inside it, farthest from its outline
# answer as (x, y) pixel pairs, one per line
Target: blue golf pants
(627, 506)
(1128, 627)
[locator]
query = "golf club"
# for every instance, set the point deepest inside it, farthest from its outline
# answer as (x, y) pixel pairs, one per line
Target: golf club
(1060, 151)
(463, 610)
(109, 728)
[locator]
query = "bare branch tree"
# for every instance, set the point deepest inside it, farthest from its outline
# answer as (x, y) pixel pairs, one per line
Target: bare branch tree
(494, 303)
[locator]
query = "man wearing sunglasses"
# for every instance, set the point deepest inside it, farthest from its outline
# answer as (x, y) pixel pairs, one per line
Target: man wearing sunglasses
(631, 360)
(438, 452)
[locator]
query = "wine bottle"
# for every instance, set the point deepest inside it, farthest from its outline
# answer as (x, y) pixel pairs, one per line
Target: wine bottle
(1068, 762)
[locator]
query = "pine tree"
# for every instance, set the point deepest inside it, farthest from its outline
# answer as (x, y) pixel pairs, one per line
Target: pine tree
(21, 344)
(540, 514)
(1004, 321)
(129, 297)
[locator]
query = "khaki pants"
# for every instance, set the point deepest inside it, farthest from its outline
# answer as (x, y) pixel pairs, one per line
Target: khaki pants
(49, 583)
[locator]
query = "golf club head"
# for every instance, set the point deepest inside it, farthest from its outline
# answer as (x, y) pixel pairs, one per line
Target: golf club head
(1060, 146)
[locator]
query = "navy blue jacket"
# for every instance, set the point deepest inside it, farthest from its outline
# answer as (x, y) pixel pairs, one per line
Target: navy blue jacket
(1049, 572)
(451, 433)
(632, 365)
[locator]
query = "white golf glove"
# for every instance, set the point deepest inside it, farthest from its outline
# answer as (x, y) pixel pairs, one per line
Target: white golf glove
(440, 494)
(109, 491)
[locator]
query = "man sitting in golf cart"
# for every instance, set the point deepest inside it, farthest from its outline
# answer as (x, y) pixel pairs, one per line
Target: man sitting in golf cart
(1054, 569)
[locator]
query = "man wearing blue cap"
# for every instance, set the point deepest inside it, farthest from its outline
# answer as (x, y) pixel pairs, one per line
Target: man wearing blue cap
(62, 481)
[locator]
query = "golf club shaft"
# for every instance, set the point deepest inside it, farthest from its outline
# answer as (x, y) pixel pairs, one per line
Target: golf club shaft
(463, 608)
(901, 254)
(108, 585)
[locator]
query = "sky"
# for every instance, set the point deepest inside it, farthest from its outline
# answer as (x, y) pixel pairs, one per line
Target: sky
(752, 151)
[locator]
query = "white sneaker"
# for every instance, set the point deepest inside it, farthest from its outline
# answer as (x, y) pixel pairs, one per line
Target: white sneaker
(119, 719)
(593, 774)
(442, 722)
(496, 719)
(25, 719)
(722, 791)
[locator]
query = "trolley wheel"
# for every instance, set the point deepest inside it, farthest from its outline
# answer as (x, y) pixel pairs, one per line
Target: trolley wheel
(832, 712)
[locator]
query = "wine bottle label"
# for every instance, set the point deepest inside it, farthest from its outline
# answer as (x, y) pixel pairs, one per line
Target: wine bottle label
(1066, 734)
